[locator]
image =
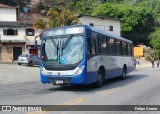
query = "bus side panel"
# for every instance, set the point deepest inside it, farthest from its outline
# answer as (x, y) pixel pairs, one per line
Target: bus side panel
(109, 63)
(122, 60)
(92, 70)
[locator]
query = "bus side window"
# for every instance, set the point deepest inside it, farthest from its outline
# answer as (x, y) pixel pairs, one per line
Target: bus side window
(124, 48)
(102, 44)
(111, 46)
(129, 49)
(118, 47)
(91, 46)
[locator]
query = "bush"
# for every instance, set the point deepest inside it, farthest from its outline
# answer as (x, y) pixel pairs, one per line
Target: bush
(39, 6)
(150, 54)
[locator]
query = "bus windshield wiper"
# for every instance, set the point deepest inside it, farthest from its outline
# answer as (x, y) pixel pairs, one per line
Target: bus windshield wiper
(64, 44)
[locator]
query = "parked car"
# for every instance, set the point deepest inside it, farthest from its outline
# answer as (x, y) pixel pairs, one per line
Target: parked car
(29, 59)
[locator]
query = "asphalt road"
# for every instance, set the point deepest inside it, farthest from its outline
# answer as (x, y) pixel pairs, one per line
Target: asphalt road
(20, 85)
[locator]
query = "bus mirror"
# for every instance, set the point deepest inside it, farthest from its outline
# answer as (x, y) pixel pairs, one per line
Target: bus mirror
(35, 44)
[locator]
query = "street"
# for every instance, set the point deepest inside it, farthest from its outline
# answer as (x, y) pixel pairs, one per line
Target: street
(20, 85)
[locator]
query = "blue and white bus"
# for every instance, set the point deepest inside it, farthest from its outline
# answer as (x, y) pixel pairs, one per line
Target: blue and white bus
(81, 55)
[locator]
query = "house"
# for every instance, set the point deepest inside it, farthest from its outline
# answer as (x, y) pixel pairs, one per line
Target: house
(16, 37)
(108, 24)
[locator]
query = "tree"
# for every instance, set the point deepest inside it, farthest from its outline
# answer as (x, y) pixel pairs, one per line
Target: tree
(61, 16)
(86, 6)
(40, 24)
(138, 21)
(40, 6)
(155, 42)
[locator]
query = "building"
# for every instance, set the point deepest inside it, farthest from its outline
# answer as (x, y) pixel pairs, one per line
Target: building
(108, 24)
(16, 37)
(8, 13)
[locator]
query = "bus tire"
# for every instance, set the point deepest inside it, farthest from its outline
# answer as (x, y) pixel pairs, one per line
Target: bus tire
(100, 79)
(124, 74)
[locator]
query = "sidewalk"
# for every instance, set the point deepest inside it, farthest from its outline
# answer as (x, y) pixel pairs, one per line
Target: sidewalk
(148, 65)
(14, 62)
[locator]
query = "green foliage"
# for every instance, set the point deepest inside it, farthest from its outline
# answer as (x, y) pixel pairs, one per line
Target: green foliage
(40, 24)
(61, 16)
(148, 53)
(135, 17)
(155, 39)
(86, 6)
(155, 42)
(39, 6)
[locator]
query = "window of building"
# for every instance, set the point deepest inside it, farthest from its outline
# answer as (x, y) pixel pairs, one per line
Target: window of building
(102, 44)
(10, 32)
(111, 46)
(29, 32)
(110, 28)
(91, 24)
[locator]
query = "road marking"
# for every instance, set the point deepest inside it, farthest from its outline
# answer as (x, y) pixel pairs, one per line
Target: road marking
(73, 102)
(63, 105)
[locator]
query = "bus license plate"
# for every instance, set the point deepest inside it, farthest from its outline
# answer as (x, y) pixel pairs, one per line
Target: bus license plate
(59, 81)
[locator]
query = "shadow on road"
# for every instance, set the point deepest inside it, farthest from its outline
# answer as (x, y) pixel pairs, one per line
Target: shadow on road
(109, 84)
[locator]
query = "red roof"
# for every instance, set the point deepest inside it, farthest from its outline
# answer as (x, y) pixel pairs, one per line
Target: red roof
(6, 6)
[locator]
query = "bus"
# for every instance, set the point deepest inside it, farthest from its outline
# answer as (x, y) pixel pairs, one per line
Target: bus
(81, 55)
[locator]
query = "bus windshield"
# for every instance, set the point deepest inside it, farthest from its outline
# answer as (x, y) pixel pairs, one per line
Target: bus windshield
(62, 50)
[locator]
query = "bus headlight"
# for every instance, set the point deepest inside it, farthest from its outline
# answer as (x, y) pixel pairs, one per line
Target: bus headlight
(42, 70)
(79, 71)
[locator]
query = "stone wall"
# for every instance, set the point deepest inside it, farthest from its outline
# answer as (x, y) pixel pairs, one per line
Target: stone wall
(7, 50)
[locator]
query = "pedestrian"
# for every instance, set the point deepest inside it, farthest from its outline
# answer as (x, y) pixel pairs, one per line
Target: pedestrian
(135, 62)
(158, 63)
(152, 61)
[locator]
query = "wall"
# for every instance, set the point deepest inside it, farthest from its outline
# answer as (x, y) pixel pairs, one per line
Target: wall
(20, 36)
(102, 24)
(8, 14)
(7, 56)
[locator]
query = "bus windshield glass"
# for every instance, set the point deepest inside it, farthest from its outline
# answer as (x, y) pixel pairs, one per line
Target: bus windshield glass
(62, 50)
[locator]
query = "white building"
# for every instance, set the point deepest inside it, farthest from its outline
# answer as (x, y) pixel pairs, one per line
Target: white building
(110, 25)
(16, 37)
(10, 13)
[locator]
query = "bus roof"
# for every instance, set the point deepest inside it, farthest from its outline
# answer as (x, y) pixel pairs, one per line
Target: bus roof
(93, 29)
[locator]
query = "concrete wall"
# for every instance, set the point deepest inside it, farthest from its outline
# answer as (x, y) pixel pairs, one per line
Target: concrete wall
(20, 36)
(102, 24)
(8, 14)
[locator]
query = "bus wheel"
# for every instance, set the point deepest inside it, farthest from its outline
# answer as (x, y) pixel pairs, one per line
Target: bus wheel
(100, 79)
(124, 74)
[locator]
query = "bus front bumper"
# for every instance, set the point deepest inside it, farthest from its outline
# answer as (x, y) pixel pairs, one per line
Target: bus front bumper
(63, 80)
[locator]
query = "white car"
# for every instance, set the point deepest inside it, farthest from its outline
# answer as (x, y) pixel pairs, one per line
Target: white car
(29, 59)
